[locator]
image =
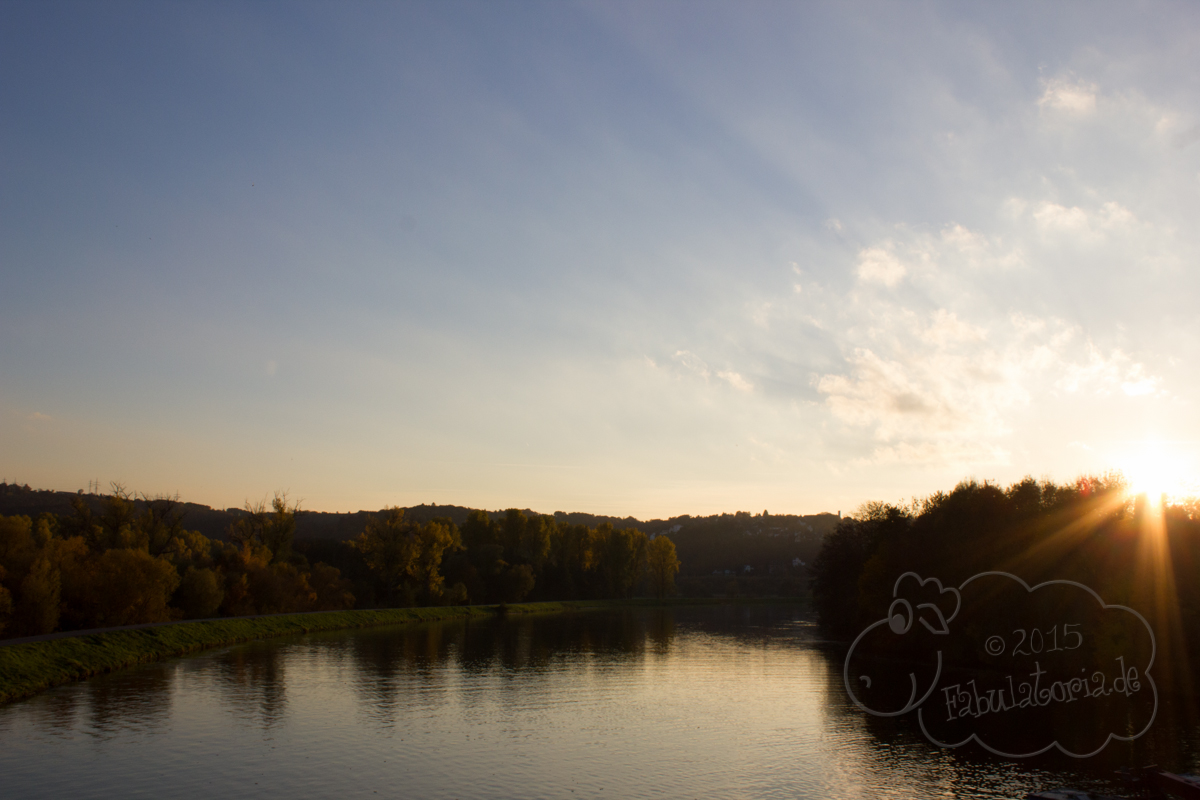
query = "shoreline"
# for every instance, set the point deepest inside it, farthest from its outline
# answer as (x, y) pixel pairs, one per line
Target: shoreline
(33, 664)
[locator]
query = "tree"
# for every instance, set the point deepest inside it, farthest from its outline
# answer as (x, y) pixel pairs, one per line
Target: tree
(516, 582)
(663, 565)
(41, 592)
(273, 528)
(190, 549)
(842, 561)
(434, 539)
(6, 603)
(622, 558)
(406, 557)
(126, 586)
(199, 594)
(332, 590)
(160, 521)
(389, 546)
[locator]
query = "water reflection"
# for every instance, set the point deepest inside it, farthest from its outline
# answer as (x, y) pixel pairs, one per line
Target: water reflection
(251, 680)
(135, 700)
(705, 702)
(897, 744)
(59, 713)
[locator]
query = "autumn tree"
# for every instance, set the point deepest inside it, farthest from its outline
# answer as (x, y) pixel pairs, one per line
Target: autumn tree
(6, 602)
(273, 528)
(406, 557)
(41, 592)
(127, 586)
(29, 581)
(663, 565)
(333, 592)
(200, 593)
(622, 558)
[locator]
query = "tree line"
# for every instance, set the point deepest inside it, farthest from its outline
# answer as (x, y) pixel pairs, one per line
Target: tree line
(132, 561)
(1092, 531)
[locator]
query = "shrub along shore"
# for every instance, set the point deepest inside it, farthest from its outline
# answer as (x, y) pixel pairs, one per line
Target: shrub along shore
(27, 668)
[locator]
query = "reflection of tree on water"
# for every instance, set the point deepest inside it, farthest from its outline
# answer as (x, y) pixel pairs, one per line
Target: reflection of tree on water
(660, 628)
(252, 681)
(535, 643)
(896, 746)
(58, 709)
(136, 699)
(397, 666)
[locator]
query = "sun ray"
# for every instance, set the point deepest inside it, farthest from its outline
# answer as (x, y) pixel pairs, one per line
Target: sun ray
(1158, 471)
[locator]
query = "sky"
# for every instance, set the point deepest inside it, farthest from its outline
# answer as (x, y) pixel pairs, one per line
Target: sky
(632, 258)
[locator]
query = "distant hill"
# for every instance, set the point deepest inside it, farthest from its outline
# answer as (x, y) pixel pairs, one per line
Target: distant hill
(738, 543)
(16, 499)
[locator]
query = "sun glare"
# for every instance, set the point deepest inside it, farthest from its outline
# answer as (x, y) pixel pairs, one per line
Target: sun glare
(1157, 472)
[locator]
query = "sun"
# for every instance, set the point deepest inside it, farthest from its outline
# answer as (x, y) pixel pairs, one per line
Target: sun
(1158, 471)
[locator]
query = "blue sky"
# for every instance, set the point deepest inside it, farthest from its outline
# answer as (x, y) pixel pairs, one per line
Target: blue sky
(625, 258)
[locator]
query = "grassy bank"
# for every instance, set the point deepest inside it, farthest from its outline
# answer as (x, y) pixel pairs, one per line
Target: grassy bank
(30, 667)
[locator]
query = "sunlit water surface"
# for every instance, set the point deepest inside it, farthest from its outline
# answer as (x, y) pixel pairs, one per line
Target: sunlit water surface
(702, 702)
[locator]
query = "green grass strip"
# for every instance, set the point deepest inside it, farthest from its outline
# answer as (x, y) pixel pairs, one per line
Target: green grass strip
(31, 667)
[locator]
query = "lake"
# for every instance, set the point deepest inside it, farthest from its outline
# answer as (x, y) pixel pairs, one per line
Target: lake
(691, 702)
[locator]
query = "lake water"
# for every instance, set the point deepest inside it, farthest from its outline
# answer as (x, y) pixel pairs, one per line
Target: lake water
(700, 702)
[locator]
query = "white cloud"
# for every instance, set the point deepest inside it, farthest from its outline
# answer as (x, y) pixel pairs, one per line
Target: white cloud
(736, 381)
(945, 328)
(1052, 216)
(1068, 95)
(692, 363)
(697, 366)
(875, 264)
(38, 416)
(953, 250)
(1111, 217)
(943, 391)
(1104, 375)
(929, 398)
(761, 313)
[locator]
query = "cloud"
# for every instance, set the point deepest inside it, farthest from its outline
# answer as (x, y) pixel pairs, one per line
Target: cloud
(1051, 216)
(1104, 375)
(954, 249)
(940, 390)
(697, 366)
(926, 403)
(1111, 217)
(38, 416)
(736, 381)
(692, 363)
(877, 265)
(1068, 95)
(945, 327)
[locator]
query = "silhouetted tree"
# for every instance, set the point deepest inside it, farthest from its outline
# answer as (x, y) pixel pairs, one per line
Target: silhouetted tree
(663, 565)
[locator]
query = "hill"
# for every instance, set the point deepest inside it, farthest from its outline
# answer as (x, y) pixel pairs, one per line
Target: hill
(739, 543)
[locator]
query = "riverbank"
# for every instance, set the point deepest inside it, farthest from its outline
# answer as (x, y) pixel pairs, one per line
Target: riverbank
(29, 667)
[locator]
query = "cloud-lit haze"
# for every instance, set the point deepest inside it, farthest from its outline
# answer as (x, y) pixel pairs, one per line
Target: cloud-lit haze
(626, 258)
